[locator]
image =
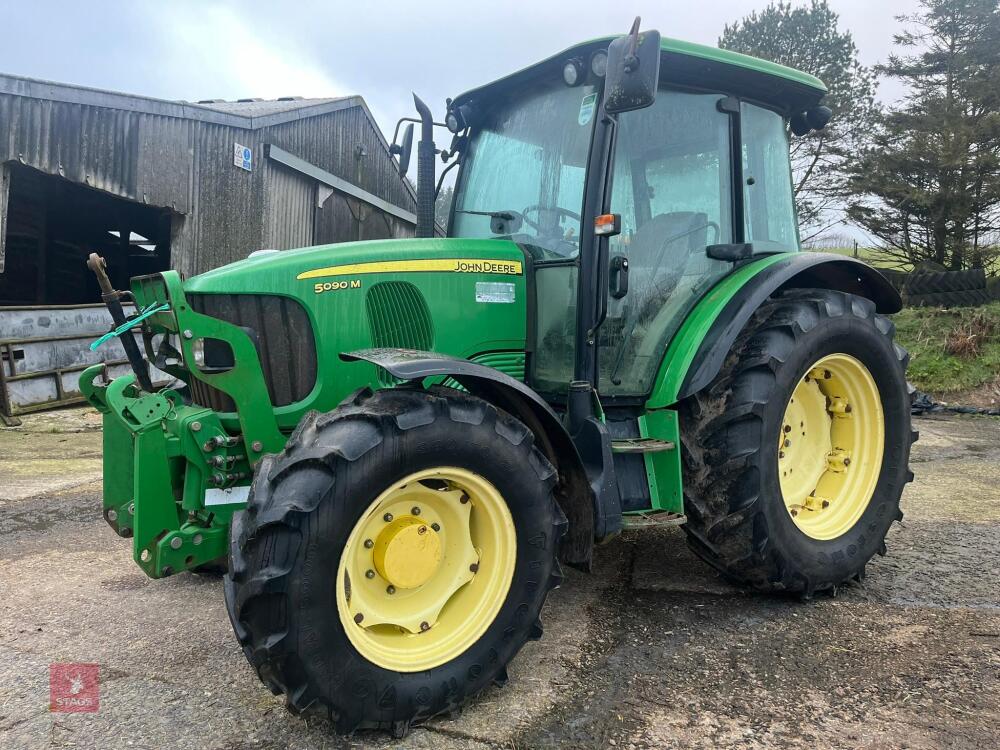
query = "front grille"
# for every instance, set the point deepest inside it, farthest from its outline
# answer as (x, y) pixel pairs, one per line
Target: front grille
(280, 329)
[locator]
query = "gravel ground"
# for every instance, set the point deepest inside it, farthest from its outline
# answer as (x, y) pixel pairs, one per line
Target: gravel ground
(651, 650)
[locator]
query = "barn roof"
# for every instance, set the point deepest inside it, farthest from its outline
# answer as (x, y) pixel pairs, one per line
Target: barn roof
(246, 113)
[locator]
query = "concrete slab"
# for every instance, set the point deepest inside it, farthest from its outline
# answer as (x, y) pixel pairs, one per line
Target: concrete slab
(651, 650)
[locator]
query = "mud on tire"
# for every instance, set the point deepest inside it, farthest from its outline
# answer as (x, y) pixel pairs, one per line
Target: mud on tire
(737, 521)
(285, 548)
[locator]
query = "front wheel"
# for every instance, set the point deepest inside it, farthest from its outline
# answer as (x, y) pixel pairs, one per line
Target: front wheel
(395, 557)
(796, 455)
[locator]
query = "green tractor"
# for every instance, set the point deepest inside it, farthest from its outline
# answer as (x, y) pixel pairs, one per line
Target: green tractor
(396, 443)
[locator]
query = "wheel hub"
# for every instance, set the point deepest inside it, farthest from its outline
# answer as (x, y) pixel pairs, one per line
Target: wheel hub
(425, 569)
(407, 552)
(830, 446)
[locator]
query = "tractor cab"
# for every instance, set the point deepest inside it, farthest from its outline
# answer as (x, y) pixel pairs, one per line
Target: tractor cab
(698, 180)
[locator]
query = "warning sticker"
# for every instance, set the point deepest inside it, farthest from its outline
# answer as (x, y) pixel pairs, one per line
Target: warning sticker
(494, 292)
(242, 157)
(587, 107)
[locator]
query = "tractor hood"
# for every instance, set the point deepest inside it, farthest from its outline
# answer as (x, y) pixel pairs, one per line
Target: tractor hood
(288, 316)
(309, 271)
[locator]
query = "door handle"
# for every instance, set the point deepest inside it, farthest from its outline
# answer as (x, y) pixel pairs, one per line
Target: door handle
(618, 282)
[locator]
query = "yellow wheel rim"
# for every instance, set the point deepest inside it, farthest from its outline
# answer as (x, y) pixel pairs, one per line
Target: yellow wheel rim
(426, 569)
(830, 446)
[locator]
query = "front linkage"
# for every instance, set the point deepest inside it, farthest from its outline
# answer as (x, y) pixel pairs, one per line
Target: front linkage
(175, 472)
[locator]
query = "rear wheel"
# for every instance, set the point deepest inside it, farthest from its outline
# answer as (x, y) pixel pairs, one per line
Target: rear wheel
(796, 455)
(395, 557)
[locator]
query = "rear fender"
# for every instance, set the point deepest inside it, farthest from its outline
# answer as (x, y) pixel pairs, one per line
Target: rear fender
(573, 490)
(698, 350)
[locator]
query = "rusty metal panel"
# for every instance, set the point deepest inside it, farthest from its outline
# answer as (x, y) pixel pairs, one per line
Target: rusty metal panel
(291, 205)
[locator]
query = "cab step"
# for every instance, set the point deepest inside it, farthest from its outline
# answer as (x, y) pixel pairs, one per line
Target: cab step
(641, 445)
(648, 518)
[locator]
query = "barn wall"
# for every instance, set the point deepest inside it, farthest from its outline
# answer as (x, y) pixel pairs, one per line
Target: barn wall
(330, 142)
(180, 157)
(291, 205)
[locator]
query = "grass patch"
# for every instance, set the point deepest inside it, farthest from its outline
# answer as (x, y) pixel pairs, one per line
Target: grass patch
(951, 350)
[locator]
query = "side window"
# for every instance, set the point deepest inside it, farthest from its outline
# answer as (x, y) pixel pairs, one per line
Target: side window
(672, 186)
(767, 181)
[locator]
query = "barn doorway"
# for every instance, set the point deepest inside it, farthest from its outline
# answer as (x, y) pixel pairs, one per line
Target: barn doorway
(52, 225)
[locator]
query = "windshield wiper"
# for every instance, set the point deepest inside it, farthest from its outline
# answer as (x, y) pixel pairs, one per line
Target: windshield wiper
(501, 222)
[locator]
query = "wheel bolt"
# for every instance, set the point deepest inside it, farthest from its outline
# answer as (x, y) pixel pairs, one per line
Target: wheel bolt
(787, 442)
(826, 503)
(415, 510)
(369, 544)
(390, 589)
(422, 530)
(781, 454)
(788, 428)
(795, 513)
(369, 574)
(424, 626)
(847, 462)
(474, 567)
(465, 498)
(848, 409)
(436, 526)
(387, 517)
(358, 618)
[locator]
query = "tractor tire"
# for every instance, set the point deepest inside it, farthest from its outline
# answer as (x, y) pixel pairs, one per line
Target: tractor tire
(750, 518)
(966, 298)
(940, 282)
(296, 607)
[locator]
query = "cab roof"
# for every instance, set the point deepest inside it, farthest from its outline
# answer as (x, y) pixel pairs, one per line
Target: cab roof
(690, 65)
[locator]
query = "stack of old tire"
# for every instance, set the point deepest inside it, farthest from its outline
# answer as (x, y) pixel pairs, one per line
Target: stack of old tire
(929, 285)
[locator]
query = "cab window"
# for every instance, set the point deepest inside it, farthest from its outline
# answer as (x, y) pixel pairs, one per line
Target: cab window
(672, 185)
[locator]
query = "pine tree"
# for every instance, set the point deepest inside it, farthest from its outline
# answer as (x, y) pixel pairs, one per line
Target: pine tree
(928, 187)
(809, 38)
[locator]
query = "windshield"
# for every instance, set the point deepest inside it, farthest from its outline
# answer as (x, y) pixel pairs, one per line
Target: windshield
(523, 175)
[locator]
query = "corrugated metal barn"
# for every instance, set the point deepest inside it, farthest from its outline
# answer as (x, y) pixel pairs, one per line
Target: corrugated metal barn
(153, 184)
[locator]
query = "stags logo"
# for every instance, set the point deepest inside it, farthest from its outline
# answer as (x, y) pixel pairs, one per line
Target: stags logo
(74, 688)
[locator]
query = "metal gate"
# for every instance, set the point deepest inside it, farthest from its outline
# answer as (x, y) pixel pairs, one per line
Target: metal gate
(44, 349)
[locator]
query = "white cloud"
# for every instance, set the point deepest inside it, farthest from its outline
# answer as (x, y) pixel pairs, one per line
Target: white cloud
(224, 57)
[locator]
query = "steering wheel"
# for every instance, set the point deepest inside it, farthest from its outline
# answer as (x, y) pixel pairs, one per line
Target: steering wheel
(538, 207)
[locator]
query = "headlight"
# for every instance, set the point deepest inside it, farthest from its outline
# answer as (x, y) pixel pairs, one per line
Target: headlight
(573, 72)
(198, 353)
(599, 63)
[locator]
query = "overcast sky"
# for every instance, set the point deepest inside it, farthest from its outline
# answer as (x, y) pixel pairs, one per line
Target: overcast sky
(204, 49)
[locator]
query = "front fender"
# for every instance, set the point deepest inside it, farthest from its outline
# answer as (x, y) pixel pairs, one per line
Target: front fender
(698, 350)
(574, 492)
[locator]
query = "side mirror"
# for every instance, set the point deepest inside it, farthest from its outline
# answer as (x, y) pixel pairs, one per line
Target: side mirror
(404, 150)
(633, 71)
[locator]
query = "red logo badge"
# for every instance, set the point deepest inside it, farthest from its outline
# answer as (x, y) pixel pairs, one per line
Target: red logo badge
(73, 688)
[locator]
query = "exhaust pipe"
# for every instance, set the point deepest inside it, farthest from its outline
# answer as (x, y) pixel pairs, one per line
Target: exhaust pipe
(425, 171)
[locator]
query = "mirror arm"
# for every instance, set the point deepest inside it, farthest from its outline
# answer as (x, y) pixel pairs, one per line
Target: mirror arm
(446, 170)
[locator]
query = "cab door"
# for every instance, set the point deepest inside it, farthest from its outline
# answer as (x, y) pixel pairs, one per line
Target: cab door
(673, 187)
